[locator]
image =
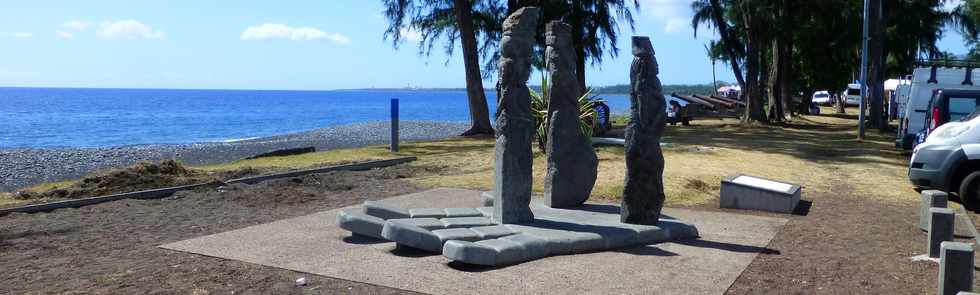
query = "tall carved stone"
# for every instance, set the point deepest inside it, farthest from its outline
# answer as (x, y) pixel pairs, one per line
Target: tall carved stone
(643, 191)
(572, 163)
(514, 123)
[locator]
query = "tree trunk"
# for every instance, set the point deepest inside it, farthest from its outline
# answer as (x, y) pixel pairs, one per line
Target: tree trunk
(874, 83)
(775, 83)
(753, 99)
(787, 76)
(578, 28)
(732, 47)
(479, 112)
(879, 115)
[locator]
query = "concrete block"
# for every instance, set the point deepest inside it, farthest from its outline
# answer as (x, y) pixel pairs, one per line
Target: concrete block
(940, 229)
(409, 234)
(359, 223)
(458, 222)
(756, 193)
(534, 247)
(955, 268)
(506, 252)
(462, 212)
(494, 231)
(462, 234)
(427, 213)
(469, 252)
(384, 211)
(930, 199)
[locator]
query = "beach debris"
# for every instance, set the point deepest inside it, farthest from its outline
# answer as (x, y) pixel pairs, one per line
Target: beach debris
(572, 162)
(285, 152)
(514, 122)
(643, 190)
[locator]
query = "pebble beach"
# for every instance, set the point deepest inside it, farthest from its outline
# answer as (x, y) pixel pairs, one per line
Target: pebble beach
(25, 167)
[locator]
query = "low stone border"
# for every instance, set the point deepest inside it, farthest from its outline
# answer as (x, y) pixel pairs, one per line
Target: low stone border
(147, 194)
(347, 167)
(164, 192)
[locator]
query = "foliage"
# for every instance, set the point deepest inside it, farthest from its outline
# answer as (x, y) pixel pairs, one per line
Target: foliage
(435, 20)
(539, 109)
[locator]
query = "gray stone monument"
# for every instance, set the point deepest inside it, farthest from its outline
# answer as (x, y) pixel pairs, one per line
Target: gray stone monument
(956, 268)
(514, 123)
(572, 162)
(643, 191)
(940, 229)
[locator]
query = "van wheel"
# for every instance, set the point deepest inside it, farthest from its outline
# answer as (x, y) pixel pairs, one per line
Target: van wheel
(970, 191)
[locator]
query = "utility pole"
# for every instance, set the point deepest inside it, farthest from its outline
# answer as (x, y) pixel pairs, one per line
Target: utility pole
(864, 71)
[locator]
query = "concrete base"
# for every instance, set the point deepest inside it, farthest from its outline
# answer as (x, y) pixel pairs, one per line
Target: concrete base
(315, 244)
(756, 193)
(931, 198)
(472, 237)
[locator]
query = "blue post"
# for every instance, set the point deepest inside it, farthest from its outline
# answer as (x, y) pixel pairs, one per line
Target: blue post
(394, 125)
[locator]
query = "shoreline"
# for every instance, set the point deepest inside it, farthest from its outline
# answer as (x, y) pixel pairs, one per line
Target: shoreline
(24, 167)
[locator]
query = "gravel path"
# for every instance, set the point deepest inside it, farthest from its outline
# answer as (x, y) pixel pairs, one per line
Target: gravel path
(24, 167)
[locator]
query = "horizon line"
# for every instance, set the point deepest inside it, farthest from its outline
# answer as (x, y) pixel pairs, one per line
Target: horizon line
(721, 83)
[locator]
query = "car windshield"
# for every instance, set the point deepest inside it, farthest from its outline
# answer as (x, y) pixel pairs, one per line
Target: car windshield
(974, 114)
(822, 95)
(853, 91)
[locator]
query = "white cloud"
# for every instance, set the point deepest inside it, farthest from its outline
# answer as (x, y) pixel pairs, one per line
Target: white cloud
(128, 29)
(411, 34)
(64, 35)
(22, 35)
(674, 15)
(77, 25)
(281, 31)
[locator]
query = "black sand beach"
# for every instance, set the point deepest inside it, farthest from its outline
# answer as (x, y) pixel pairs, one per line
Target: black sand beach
(24, 167)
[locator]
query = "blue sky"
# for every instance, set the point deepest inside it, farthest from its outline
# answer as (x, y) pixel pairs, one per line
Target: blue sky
(298, 44)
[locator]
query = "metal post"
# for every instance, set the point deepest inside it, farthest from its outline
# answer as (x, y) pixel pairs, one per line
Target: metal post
(394, 125)
(864, 70)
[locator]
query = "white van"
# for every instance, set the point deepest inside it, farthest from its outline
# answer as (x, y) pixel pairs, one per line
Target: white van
(852, 95)
(925, 80)
(901, 98)
(949, 160)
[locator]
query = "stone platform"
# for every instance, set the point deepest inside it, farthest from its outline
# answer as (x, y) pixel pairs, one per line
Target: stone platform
(315, 244)
(469, 235)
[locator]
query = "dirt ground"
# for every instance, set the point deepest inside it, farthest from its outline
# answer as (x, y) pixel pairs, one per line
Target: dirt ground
(111, 248)
(846, 244)
(843, 244)
(854, 234)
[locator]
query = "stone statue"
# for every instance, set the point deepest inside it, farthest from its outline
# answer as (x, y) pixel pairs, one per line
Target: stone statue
(514, 123)
(572, 162)
(643, 191)
(516, 230)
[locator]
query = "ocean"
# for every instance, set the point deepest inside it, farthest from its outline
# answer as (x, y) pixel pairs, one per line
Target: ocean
(90, 117)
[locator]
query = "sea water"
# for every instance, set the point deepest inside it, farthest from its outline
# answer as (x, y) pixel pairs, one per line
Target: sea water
(73, 117)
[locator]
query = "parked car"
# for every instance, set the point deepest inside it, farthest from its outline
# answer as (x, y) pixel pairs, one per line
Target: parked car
(949, 160)
(822, 97)
(852, 95)
(948, 105)
(915, 100)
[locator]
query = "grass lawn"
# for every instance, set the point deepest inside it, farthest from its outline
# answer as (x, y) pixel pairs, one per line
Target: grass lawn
(819, 152)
